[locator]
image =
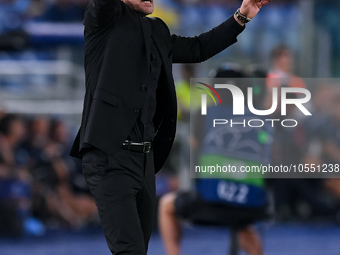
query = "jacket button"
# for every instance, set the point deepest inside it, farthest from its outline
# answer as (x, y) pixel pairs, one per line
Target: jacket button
(144, 87)
(136, 110)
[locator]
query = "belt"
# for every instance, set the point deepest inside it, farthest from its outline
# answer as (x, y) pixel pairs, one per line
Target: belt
(143, 147)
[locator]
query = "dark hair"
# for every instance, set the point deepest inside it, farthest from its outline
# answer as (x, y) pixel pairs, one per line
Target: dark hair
(232, 74)
(6, 122)
(279, 50)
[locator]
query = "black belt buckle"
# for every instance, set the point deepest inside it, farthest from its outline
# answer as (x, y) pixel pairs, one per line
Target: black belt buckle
(146, 147)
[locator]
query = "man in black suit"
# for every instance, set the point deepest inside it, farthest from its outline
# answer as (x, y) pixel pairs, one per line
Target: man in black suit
(129, 116)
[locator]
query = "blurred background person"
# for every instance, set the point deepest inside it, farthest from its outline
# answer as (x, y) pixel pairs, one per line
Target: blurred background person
(281, 73)
(212, 202)
(15, 181)
(57, 196)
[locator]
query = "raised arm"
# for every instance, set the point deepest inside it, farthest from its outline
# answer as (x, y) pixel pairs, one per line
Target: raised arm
(200, 48)
(99, 13)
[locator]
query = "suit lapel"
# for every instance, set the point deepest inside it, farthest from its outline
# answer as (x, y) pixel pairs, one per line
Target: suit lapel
(147, 35)
(160, 43)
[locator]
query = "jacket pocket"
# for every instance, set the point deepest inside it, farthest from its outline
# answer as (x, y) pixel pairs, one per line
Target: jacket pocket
(106, 97)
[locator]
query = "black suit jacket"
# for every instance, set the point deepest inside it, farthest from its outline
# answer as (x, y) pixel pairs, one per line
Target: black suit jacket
(117, 50)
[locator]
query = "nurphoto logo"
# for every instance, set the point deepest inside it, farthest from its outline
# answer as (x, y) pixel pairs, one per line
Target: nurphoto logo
(238, 105)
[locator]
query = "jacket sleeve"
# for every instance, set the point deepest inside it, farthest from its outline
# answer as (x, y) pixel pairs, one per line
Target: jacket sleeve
(200, 48)
(100, 13)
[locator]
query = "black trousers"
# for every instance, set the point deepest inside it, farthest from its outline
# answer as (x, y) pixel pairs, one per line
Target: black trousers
(123, 186)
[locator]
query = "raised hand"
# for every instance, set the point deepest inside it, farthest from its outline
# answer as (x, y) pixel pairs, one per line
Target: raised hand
(250, 8)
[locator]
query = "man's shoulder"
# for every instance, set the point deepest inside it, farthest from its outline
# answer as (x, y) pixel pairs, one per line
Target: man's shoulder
(158, 23)
(156, 19)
